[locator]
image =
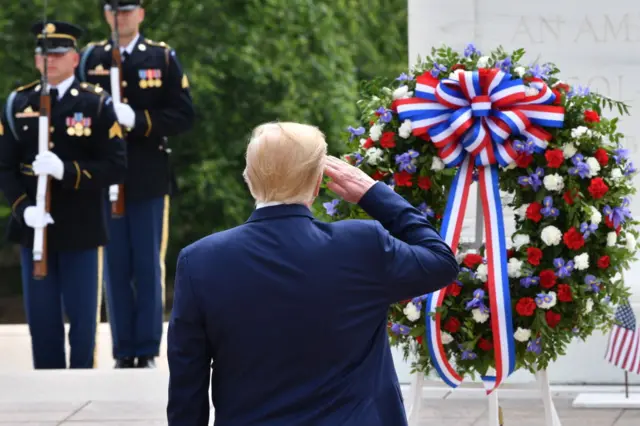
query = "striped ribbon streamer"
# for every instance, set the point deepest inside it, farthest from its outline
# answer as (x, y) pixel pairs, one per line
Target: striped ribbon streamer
(473, 119)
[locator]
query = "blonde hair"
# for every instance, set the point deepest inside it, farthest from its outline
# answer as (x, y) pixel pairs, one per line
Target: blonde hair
(284, 162)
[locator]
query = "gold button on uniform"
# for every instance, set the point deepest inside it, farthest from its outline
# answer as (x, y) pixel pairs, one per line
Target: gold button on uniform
(124, 83)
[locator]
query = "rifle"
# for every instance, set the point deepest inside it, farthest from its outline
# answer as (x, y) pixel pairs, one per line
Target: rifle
(116, 192)
(43, 193)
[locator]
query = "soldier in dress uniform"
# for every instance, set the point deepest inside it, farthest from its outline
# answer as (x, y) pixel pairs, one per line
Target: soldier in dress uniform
(86, 154)
(155, 105)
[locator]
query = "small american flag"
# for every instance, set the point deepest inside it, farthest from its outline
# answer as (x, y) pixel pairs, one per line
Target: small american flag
(624, 340)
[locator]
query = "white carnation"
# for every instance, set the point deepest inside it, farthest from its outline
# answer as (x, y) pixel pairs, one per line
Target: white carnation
(581, 261)
(596, 216)
(588, 306)
(554, 182)
(548, 301)
(412, 313)
(551, 235)
(616, 174)
(362, 142)
(522, 211)
(479, 316)
(483, 61)
(520, 240)
(482, 272)
(522, 334)
(594, 166)
(631, 242)
(405, 129)
(519, 71)
(580, 131)
(375, 131)
(373, 156)
(402, 92)
(514, 268)
(612, 238)
(569, 150)
(446, 338)
(437, 164)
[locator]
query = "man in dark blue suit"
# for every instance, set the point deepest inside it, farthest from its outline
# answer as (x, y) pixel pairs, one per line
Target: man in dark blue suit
(287, 315)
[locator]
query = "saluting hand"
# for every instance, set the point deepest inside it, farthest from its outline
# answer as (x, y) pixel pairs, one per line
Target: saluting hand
(347, 181)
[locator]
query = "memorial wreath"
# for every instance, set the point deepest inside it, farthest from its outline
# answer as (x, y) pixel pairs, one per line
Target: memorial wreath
(534, 144)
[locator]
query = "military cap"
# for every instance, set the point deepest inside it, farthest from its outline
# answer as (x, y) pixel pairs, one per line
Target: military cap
(61, 36)
(122, 4)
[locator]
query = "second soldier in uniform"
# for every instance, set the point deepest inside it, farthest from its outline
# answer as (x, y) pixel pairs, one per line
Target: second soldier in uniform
(156, 104)
(86, 155)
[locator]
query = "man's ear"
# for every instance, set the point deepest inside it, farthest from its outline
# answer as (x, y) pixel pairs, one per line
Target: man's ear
(317, 190)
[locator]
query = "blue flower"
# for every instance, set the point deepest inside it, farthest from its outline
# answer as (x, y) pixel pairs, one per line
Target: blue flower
(358, 158)
(527, 147)
(477, 301)
(535, 346)
(549, 210)
(541, 72)
(405, 161)
(355, 132)
(404, 77)
(581, 168)
(533, 180)
(504, 64)
(593, 283)
(620, 154)
(426, 210)
(469, 355)
(578, 91)
(529, 281)
(470, 50)
(629, 169)
(563, 269)
(399, 329)
(385, 114)
(587, 229)
(437, 69)
(331, 207)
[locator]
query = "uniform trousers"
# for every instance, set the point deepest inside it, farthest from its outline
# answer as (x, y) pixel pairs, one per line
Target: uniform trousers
(135, 278)
(73, 286)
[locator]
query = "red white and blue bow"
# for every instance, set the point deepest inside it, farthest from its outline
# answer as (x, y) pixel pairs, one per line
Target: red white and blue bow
(473, 120)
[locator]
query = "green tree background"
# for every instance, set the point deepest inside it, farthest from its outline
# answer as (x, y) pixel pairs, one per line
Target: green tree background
(248, 61)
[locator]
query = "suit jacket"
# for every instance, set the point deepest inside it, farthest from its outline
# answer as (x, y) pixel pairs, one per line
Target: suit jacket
(286, 316)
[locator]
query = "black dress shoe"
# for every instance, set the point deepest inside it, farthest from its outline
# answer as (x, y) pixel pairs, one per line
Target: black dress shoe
(125, 363)
(146, 362)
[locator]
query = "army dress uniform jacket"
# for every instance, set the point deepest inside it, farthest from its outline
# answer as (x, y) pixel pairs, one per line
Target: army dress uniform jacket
(155, 87)
(87, 137)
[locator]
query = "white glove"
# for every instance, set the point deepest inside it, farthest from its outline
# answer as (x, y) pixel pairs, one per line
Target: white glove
(35, 218)
(48, 163)
(125, 114)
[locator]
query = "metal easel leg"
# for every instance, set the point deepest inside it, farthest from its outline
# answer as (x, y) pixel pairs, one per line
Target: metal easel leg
(550, 413)
(495, 418)
(416, 396)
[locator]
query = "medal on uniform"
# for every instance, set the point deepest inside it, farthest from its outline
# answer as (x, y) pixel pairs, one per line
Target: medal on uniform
(143, 79)
(71, 131)
(78, 125)
(87, 126)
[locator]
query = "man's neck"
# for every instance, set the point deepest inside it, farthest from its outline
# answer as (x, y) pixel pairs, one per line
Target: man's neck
(56, 82)
(125, 40)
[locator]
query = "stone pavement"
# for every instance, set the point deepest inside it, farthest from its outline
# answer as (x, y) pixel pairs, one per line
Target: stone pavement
(138, 398)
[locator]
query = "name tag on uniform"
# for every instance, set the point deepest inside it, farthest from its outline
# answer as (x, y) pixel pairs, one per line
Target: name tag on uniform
(78, 125)
(150, 78)
(98, 70)
(28, 112)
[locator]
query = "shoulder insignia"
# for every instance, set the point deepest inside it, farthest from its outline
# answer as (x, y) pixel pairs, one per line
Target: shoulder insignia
(87, 87)
(27, 86)
(1, 130)
(157, 43)
(115, 130)
(97, 43)
(185, 81)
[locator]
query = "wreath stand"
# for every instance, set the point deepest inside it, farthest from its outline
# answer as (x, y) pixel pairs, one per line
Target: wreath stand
(495, 411)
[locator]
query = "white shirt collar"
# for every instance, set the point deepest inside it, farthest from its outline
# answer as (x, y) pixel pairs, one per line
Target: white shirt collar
(269, 204)
(130, 46)
(63, 86)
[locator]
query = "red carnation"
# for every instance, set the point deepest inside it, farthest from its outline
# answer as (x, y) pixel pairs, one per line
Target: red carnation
(378, 175)
(368, 143)
(454, 289)
(485, 345)
(555, 158)
(604, 262)
(534, 255)
(403, 178)
(471, 260)
(524, 160)
(573, 239)
(591, 116)
(510, 253)
(424, 182)
(564, 293)
(570, 196)
(533, 212)
(388, 140)
(598, 188)
(452, 325)
(547, 278)
(602, 156)
(526, 307)
(419, 340)
(553, 319)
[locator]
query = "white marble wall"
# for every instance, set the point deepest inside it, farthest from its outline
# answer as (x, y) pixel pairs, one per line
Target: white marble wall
(596, 44)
